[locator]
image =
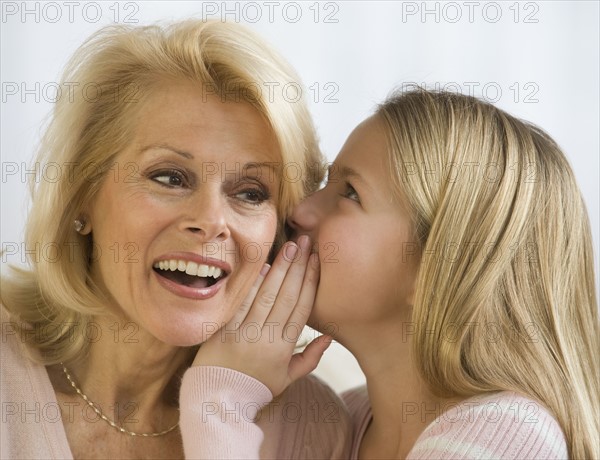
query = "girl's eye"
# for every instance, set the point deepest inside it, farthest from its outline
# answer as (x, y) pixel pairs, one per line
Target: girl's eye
(253, 196)
(171, 178)
(351, 193)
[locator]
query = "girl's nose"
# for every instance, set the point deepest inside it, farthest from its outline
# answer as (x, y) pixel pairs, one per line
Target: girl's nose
(306, 216)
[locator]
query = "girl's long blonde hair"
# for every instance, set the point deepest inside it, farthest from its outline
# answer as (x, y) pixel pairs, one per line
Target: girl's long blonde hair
(105, 85)
(506, 279)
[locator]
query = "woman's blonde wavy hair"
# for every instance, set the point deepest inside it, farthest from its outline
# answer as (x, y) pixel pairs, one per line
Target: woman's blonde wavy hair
(506, 279)
(104, 86)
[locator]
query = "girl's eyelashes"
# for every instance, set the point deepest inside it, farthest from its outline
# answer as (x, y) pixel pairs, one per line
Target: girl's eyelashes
(171, 178)
(350, 193)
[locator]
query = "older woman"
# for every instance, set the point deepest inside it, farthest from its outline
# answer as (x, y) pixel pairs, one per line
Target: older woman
(174, 148)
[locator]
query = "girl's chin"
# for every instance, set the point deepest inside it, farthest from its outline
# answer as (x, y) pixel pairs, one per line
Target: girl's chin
(322, 322)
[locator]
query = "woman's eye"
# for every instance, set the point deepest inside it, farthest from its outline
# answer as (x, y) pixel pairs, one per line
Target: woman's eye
(351, 193)
(253, 196)
(171, 178)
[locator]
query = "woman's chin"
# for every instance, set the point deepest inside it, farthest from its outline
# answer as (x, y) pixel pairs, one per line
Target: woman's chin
(183, 335)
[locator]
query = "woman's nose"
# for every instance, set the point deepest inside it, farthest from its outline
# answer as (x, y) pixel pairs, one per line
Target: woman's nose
(206, 216)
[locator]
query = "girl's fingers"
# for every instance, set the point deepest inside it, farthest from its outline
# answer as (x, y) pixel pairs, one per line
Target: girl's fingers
(242, 312)
(301, 312)
(290, 290)
(304, 363)
(268, 291)
(281, 293)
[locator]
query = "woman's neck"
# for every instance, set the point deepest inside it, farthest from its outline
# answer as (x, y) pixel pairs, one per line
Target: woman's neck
(129, 370)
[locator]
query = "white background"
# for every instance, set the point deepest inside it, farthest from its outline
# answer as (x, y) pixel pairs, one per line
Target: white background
(538, 60)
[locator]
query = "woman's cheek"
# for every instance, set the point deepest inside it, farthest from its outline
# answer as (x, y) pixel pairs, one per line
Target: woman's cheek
(257, 237)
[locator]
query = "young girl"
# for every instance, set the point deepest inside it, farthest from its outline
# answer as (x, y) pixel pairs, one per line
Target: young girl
(462, 280)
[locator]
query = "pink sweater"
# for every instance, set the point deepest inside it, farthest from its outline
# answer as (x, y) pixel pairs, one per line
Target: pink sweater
(500, 425)
(227, 415)
(217, 411)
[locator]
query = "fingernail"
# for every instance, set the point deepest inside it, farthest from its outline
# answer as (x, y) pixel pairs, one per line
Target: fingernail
(304, 242)
(314, 260)
(265, 269)
(290, 252)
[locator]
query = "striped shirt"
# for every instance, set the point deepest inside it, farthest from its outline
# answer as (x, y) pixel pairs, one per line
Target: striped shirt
(502, 425)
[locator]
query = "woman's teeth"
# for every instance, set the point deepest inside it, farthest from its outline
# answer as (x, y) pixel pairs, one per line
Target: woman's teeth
(190, 268)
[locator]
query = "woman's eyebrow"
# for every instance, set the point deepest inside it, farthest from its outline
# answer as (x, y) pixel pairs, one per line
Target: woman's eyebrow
(163, 146)
(274, 170)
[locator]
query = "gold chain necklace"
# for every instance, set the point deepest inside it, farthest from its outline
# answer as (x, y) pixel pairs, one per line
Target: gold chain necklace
(105, 418)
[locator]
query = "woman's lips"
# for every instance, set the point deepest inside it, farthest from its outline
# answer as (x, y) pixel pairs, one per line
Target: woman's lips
(184, 267)
(192, 257)
(188, 291)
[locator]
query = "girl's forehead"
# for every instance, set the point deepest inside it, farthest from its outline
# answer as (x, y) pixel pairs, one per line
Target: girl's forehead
(365, 150)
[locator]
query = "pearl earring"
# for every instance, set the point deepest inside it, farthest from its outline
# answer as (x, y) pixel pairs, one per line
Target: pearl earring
(79, 225)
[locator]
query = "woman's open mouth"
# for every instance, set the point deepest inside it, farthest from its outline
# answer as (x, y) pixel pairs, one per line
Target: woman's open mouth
(188, 278)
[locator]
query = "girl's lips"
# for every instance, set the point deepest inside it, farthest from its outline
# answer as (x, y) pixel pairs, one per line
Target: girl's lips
(189, 292)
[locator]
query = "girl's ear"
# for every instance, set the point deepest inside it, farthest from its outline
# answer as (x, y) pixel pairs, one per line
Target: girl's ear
(411, 295)
(415, 261)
